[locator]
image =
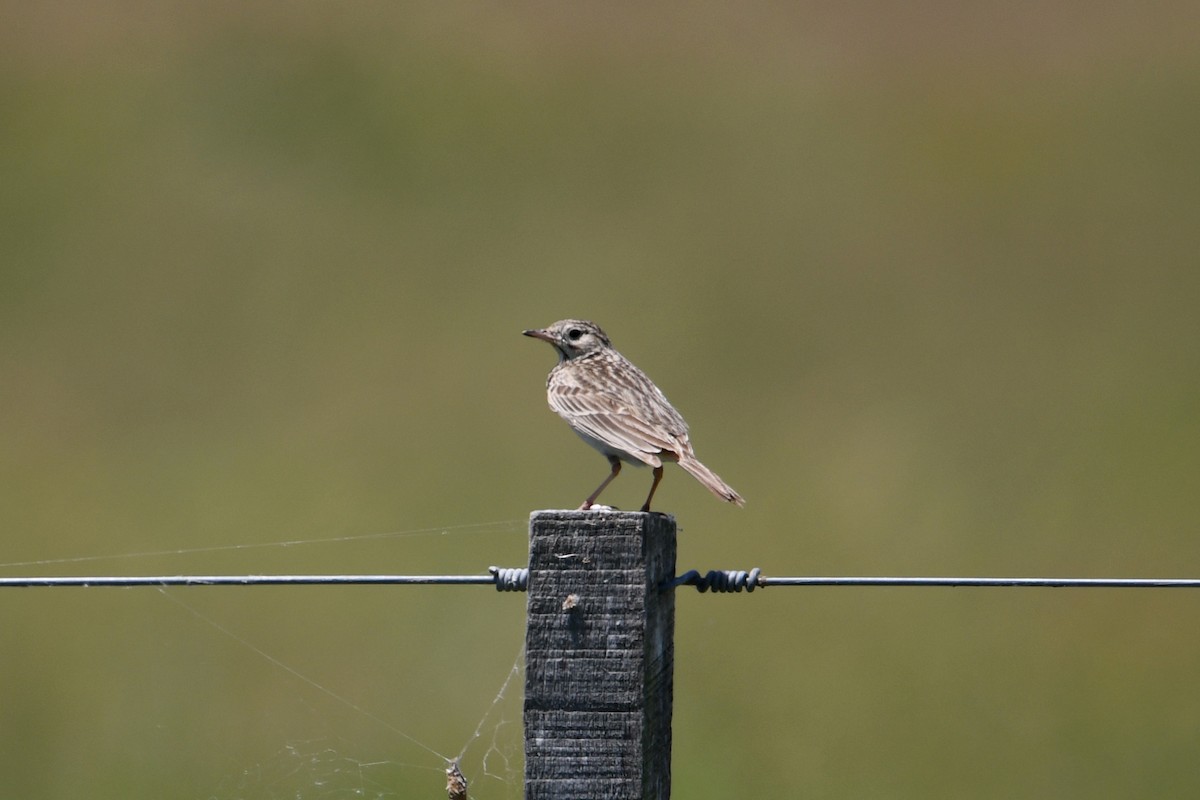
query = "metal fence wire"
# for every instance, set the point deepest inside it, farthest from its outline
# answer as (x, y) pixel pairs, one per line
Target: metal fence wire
(516, 579)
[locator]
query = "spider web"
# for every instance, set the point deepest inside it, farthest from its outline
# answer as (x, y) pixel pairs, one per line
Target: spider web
(332, 767)
(316, 758)
(313, 768)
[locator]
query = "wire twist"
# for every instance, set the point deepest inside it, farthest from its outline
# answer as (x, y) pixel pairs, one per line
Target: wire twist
(510, 579)
(725, 580)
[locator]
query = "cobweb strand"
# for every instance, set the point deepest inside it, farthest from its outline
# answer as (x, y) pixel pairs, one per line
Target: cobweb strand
(498, 526)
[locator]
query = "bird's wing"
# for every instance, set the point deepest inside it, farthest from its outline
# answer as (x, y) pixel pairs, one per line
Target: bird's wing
(642, 426)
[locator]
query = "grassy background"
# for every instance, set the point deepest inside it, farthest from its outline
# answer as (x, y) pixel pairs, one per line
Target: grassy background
(923, 279)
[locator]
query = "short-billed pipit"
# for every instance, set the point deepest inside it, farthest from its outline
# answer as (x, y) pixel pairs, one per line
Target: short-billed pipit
(616, 409)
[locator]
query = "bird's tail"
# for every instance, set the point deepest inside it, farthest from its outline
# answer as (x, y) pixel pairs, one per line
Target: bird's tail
(711, 480)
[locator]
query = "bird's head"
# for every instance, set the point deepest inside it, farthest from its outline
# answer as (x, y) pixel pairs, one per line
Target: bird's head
(572, 338)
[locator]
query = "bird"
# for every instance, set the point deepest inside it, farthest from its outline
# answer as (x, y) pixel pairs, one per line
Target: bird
(613, 406)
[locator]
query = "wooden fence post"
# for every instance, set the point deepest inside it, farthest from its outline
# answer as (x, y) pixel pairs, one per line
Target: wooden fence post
(599, 656)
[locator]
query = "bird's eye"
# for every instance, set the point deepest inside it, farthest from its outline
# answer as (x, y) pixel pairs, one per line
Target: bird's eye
(574, 334)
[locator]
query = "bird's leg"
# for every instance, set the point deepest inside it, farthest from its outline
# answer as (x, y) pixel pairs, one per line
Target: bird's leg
(657, 477)
(616, 470)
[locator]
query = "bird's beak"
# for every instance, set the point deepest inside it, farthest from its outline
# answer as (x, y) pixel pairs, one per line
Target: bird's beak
(540, 334)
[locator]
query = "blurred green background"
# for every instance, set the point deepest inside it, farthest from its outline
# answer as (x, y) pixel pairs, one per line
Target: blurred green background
(923, 278)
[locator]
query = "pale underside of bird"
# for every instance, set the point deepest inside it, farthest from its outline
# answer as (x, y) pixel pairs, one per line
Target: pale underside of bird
(616, 409)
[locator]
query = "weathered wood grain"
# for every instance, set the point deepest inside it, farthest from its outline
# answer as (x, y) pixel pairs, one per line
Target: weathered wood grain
(599, 656)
